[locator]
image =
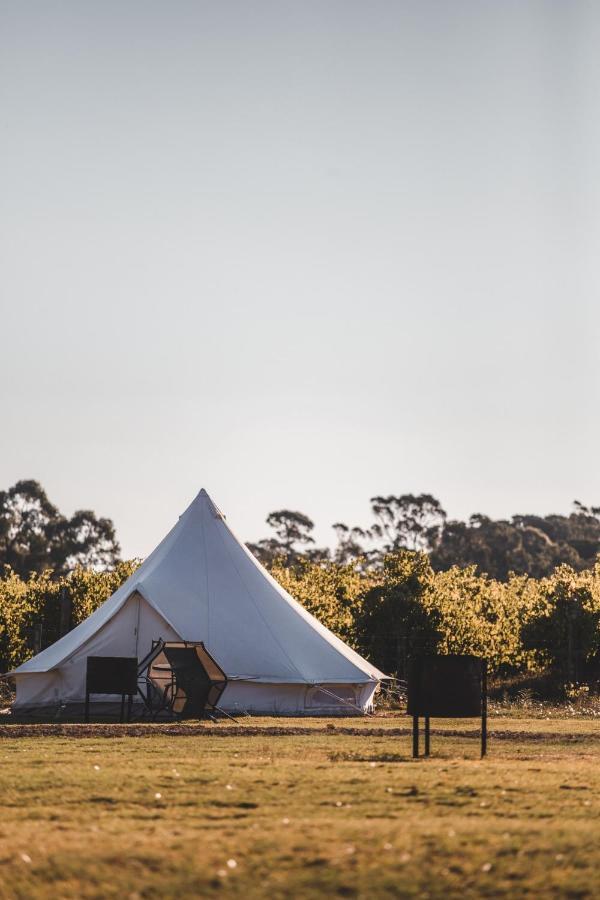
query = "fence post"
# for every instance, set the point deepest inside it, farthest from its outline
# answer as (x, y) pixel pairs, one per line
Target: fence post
(36, 635)
(65, 612)
(415, 735)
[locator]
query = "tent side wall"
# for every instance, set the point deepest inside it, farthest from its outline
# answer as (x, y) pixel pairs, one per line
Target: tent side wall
(59, 686)
(130, 632)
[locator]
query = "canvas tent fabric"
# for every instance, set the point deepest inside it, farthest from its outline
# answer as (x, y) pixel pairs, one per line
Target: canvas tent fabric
(202, 584)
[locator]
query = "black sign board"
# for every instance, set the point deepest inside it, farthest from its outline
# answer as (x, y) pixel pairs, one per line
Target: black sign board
(111, 675)
(447, 687)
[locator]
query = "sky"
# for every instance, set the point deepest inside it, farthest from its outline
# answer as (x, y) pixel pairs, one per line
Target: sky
(299, 254)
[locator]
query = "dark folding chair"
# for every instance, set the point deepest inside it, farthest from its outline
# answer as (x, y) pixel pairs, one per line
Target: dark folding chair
(181, 679)
(154, 691)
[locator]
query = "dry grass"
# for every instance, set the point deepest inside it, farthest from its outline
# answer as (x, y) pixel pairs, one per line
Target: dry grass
(311, 808)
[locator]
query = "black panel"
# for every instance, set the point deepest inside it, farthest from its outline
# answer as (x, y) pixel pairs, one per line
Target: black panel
(445, 686)
(111, 675)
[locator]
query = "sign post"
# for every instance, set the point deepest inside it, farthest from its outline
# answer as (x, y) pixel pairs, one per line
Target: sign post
(447, 687)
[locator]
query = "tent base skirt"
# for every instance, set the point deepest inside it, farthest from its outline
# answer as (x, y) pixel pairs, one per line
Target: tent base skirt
(239, 698)
(297, 699)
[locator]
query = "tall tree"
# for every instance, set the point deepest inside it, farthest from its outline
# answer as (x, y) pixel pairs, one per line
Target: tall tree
(409, 521)
(352, 543)
(292, 539)
(404, 522)
(35, 536)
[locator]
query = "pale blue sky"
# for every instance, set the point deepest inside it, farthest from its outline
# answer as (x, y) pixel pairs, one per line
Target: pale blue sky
(299, 254)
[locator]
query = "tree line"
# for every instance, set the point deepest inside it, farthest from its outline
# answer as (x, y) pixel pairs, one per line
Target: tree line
(389, 591)
(523, 626)
(525, 544)
(35, 536)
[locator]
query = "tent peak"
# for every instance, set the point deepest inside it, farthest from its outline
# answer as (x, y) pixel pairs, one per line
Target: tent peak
(203, 495)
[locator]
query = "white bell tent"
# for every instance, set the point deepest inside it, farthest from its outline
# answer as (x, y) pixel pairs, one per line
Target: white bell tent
(202, 584)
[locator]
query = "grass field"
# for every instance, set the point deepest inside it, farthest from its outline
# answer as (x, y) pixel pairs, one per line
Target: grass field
(322, 809)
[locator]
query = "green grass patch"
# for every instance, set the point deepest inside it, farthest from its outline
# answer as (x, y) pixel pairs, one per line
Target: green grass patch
(308, 809)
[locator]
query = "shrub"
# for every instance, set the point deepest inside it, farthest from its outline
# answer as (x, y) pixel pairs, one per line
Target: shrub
(332, 592)
(393, 621)
(564, 633)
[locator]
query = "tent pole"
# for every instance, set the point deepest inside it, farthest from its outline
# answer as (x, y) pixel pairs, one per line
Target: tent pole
(223, 713)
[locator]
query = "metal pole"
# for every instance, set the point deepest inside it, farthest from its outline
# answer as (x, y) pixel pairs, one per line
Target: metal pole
(415, 737)
(483, 708)
(426, 735)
